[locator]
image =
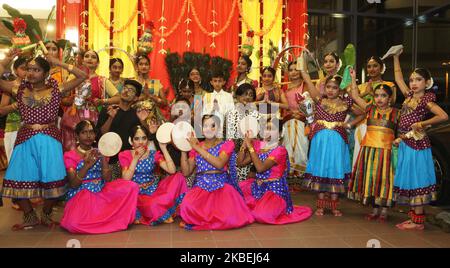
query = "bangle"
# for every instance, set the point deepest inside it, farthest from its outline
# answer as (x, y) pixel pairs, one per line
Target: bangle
(251, 150)
(70, 68)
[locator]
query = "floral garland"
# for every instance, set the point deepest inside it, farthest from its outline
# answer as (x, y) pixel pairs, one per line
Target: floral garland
(175, 27)
(263, 31)
(105, 25)
(221, 31)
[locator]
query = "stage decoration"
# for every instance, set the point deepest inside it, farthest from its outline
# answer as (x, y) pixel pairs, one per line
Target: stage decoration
(175, 26)
(21, 39)
(223, 29)
(247, 45)
(188, 32)
(106, 26)
(178, 68)
(23, 26)
(145, 44)
(162, 40)
(264, 31)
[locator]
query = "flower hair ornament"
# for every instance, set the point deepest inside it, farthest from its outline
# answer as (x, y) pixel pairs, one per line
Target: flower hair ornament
(339, 65)
(430, 84)
(383, 68)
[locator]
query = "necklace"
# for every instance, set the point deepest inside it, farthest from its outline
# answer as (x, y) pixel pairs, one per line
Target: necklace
(82, 151)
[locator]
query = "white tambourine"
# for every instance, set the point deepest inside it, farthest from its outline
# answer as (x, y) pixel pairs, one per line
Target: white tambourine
(249, 123)
(110, 144)
(180, 132)
(163, 134)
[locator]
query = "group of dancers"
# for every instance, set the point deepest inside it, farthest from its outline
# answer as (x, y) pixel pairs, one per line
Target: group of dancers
(228, 179)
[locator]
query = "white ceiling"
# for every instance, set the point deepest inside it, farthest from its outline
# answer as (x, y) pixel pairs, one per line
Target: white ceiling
(39, 9)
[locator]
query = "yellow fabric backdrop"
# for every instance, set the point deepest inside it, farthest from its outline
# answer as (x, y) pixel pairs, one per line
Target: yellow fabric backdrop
(270, 8)
(251, 11)
(99, 36)
(127, 40)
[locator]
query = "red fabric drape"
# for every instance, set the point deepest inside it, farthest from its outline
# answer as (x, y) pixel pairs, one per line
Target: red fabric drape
(296, 10)
(68, 15)
(226, 44)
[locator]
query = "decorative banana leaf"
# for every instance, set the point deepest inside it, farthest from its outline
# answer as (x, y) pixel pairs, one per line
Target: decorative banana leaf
(4, 40)
(8, 24)
(32, 24)
(350, 55)
(51, 15)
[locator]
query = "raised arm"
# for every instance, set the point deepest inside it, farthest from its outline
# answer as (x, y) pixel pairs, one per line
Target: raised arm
(355, 93)
(168, 165)
(399, 75)
(187, 164)
(7, 86)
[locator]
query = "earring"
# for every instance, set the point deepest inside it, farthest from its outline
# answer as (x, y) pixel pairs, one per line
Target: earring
(130, 142)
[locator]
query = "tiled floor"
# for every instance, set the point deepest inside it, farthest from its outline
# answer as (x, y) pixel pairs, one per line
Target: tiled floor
(348, 231)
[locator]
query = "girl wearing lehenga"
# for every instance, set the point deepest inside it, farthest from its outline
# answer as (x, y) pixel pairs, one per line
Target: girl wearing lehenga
(96, 205)
(38, 142)
(375, 68)
(329, 163)
(158, 198)
(267, 195)
(372, 180)
(214, 202)
(415, 178)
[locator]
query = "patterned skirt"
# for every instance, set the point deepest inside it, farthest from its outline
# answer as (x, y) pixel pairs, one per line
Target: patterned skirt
(415, 179)
(372, 179)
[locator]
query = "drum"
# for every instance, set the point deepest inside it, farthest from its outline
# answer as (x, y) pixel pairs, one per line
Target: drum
(110, 144)
(249, 123)
(180, 132)
(163, 134)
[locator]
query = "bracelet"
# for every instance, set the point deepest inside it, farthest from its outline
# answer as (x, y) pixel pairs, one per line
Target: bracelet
(251, 150)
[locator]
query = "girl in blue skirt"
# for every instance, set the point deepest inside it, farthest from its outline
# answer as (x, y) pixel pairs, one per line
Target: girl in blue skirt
(415, 180)
(36, 168)
(329, 168)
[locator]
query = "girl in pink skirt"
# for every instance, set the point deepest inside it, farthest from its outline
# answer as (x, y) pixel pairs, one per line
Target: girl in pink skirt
(214, 202)
(95, 204)
(158, 198)
(268, 195)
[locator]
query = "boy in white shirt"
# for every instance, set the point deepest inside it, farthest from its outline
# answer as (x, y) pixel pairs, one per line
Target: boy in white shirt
(218, 102)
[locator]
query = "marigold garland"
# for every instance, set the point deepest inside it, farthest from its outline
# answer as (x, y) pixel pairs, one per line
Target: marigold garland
(103, 22)
(175, 27)
(224, 28)
(263, 31)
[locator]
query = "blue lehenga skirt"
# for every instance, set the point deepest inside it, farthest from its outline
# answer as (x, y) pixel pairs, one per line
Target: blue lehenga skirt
(329, 167)
(36, 169)
(415, 179)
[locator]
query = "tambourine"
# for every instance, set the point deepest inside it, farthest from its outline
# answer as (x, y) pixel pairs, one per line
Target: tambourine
(109, 144)
(164, 132)
(249, 123)
(180, 132)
